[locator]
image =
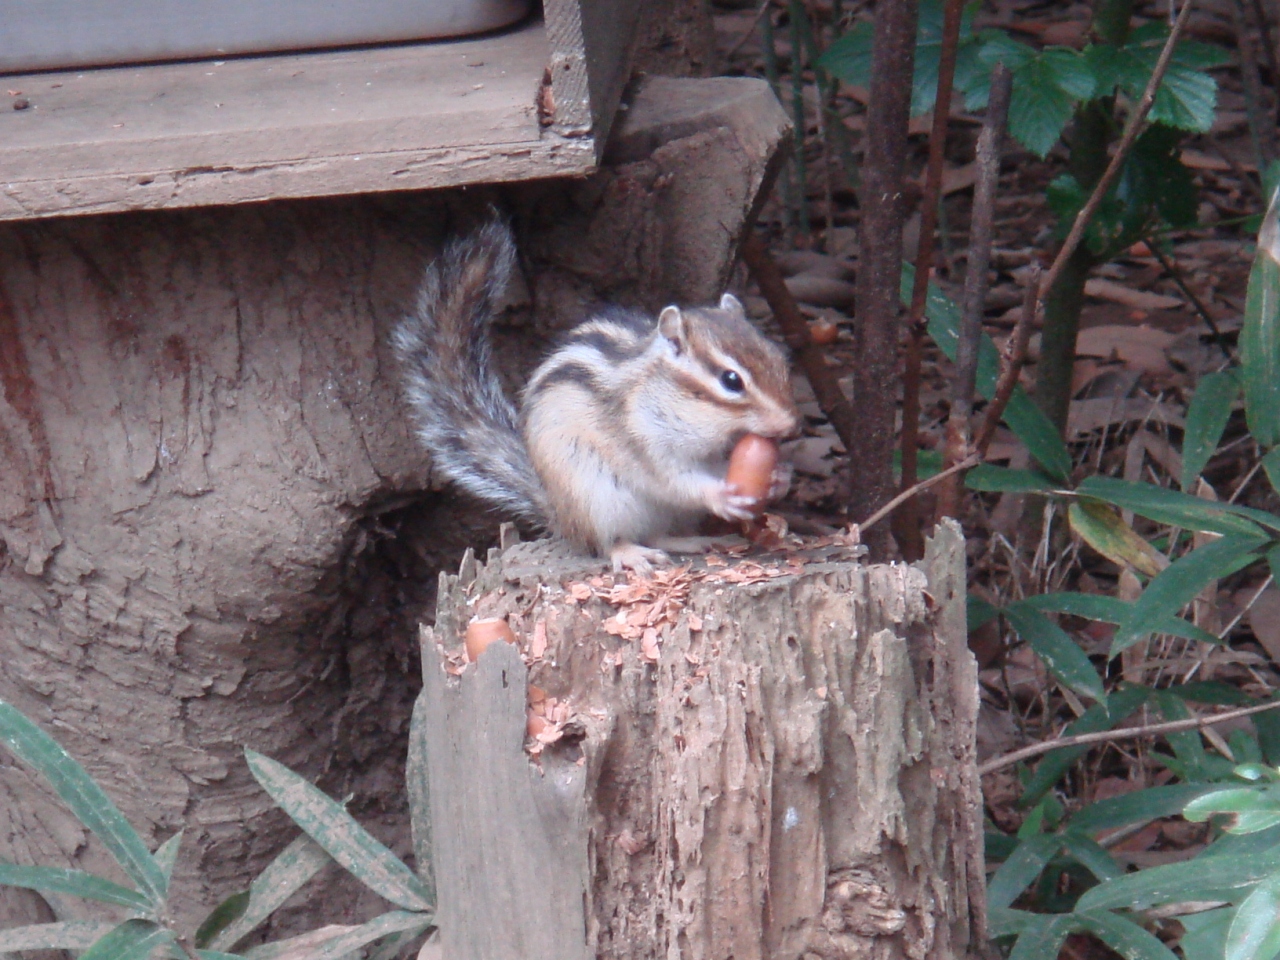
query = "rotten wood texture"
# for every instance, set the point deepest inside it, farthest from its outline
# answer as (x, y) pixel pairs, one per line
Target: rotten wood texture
(754, 763)
(529, 103)
(875, 371)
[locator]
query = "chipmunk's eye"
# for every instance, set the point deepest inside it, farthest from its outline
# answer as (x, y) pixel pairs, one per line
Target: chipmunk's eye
(731, 381)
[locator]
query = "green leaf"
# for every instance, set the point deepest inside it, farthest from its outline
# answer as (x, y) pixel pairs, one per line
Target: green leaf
(1124, 936)
(1043, 937)
(1204, 878)
(1141, 806)
(849, 57)
(221, 917)
(1006, 922)
(85, 798)
(1101, 716)
(1021, 868)
(1090, 855)
(166, 856)
(992, 479)
(346, 841)
(1206, 419)
(1271, 464)
(75, 882)
(1205, 934)
(1251, 809)
(1096, 606)
(1039, 107)
(1177, 508)
(1102, 527)
(978, 612)
(282, 878)
(344, 940)
(1181, 582)
(1036, 431)
(1061, 655)
(1255, 932)
(1260, 335)
(131, 940)
(67, 935)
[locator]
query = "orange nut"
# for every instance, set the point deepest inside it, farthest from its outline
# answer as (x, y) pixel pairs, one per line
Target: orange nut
(481, 633)
(823, 332)
(751, 466)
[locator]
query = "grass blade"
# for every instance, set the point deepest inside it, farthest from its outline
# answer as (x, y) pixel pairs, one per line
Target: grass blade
(75, 882)
(282, 878)
(166, 856)
(85, 798)
(1204, 878)
(1176, 508)
(329, 825)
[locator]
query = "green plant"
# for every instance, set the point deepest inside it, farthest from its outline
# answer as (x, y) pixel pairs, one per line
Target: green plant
(146, 925)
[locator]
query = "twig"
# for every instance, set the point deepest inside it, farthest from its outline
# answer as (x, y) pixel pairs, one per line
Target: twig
(1132, 128)
(755, 22)
(1171, 268)
(920, 487)
(795, 15)
(906, 523)
(1015, 355)
(1129, 733)
(771, 74)
(981, 231)
(1261, 127)
(795, 330)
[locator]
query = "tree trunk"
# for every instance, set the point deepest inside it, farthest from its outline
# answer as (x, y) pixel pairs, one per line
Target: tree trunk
(216, 529)
(767, 759)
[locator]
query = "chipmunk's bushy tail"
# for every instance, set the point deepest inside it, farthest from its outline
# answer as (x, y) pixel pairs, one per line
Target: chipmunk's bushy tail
(463, 415)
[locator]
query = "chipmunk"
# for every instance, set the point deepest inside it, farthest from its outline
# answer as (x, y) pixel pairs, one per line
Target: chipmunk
(624, 430)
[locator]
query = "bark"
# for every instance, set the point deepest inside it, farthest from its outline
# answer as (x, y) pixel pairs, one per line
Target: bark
(779, 768)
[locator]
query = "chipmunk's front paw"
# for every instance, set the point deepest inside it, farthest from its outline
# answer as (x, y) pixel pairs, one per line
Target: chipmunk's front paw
(724, 500)
(780, 481)
(632, 556)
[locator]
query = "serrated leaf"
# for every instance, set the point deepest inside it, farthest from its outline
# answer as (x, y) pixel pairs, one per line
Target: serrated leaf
(1102, 527)
(1124, 936)
(75, 882)
(992, 479)
(346, 841)
(1054, 646)
(1021, 868)
(1204, 878)
(337, 942)
(1141, 806)
(1038, 107)
(131, 940)
(1182, 582)
(1206, 419)
(1260, 335)
(281, 879)
(1255, 932)
(1043, 937)
(66, 935)
(1177, 508)
(849, 57)
(91, 806)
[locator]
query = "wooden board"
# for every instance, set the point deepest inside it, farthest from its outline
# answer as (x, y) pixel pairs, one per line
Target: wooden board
(402, 117)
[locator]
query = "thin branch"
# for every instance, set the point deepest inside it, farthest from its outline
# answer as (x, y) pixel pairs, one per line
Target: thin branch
(920, 487)
(1129, 733)
(1015, 355)
(907, 521)
(1131, 130)
(795, 330)
(1172, 269)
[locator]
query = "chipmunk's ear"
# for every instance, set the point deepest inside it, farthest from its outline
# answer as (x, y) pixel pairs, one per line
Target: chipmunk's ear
(671, 326)
(732, 304)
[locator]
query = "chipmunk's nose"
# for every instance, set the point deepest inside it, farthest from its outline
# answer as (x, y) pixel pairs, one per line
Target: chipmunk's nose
(785, 424)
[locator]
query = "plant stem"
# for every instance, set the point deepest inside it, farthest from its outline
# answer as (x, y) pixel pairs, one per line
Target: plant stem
(795, 12)
(880, 257)
(771, 74)
(981, 231)
(906, 522)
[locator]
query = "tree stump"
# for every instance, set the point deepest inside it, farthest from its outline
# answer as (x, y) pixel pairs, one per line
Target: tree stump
(763, 757)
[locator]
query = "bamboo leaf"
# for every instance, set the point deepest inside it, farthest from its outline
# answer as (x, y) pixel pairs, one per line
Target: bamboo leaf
(1061, 655)
(75, 882)
(1255, 932)
(282, 878)
(1251, 809)
(1043, 937)
(1204, 878)
(992, 479)
(131, 940)
(1089, 854)
(336, 942)
(1021, 868)
(1206, 419)
(1260, 335)
(85, 798)
(346, 841)
(1181, 582)
(67, 935)
(1141, 806)
(1102, 527)
(1176, 508)
(1124, 936)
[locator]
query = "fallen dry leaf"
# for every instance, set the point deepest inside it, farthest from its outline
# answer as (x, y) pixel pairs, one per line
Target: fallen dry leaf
(1104, 289)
